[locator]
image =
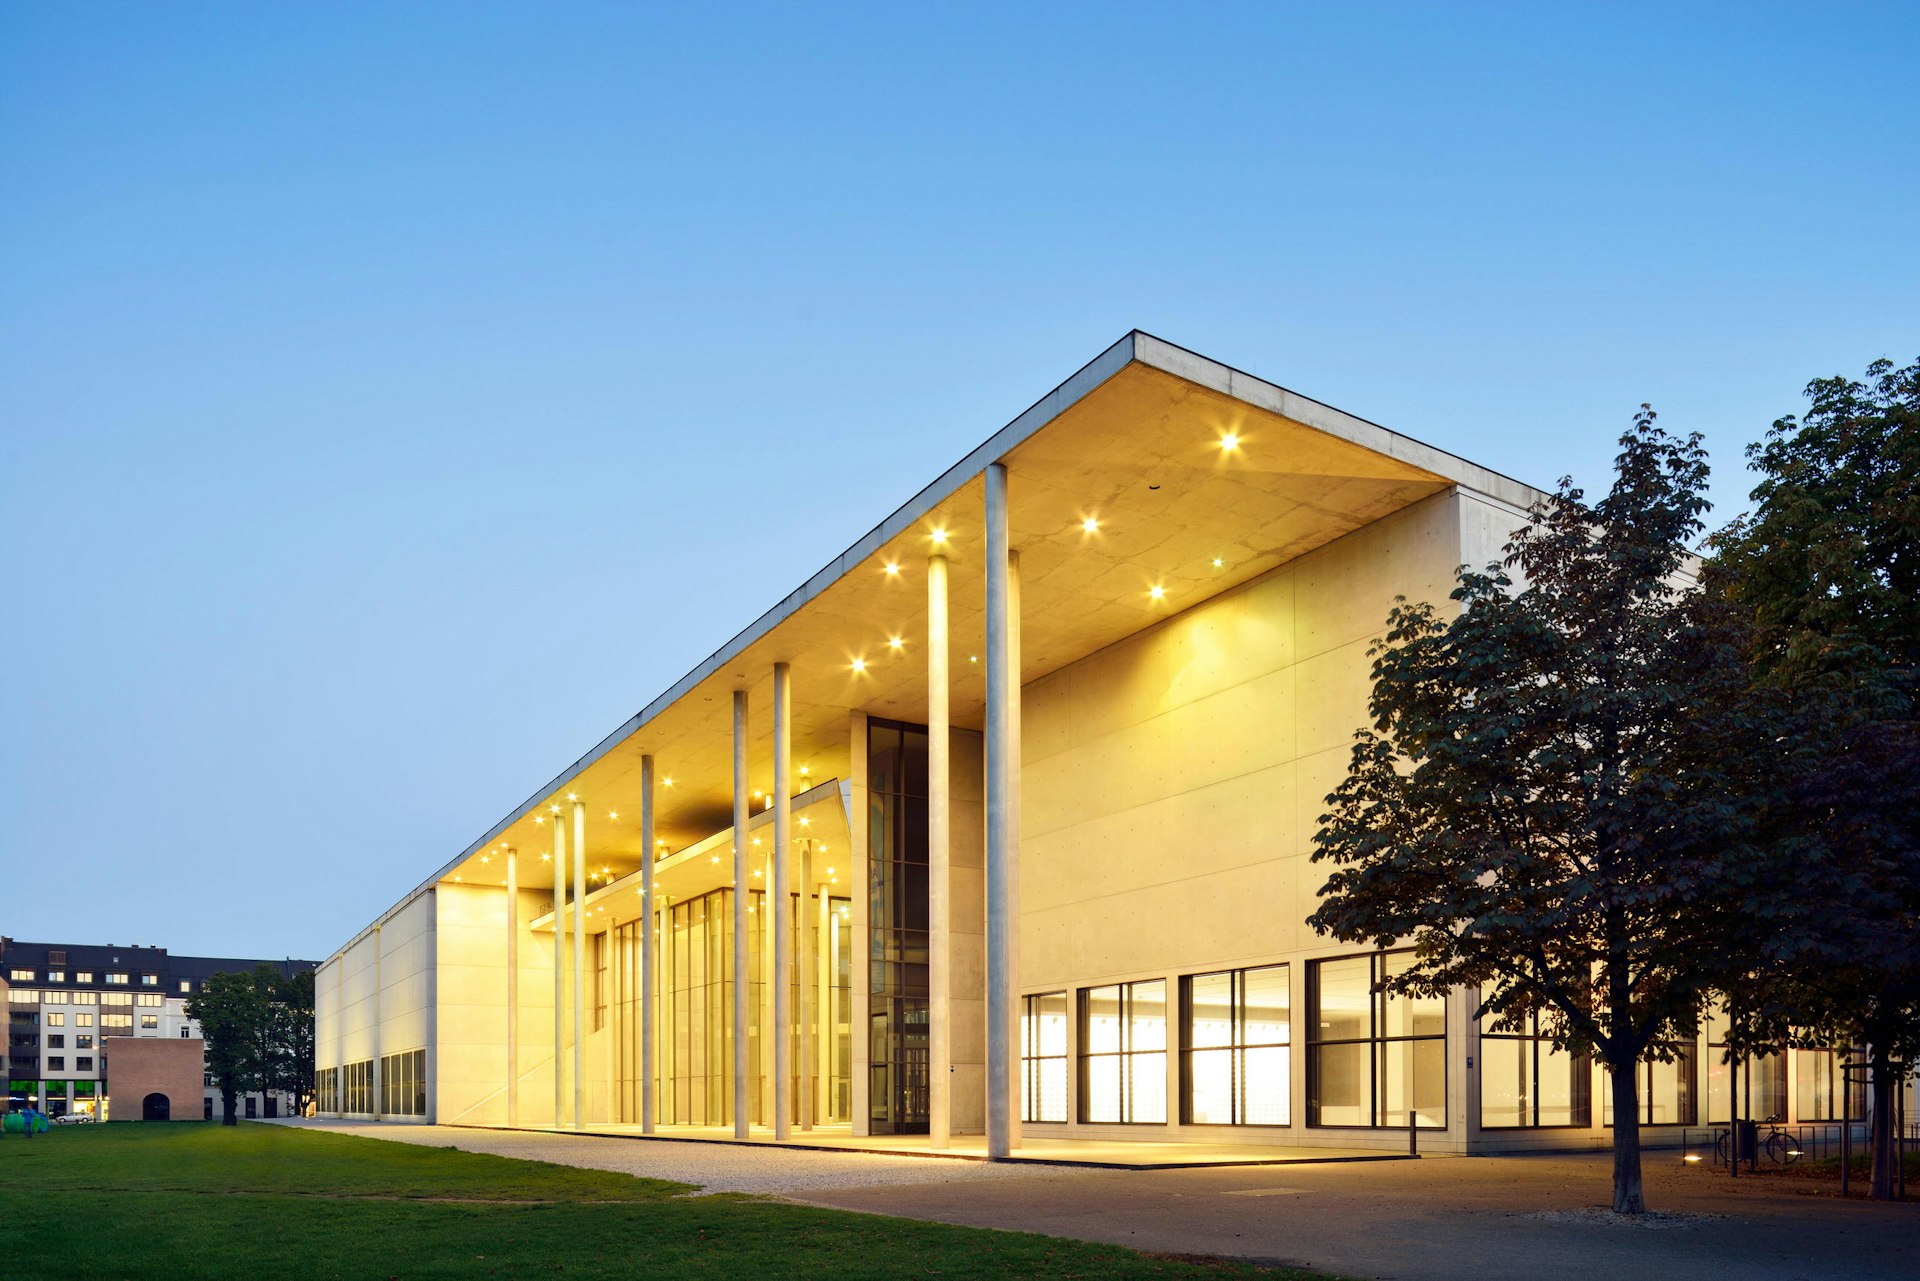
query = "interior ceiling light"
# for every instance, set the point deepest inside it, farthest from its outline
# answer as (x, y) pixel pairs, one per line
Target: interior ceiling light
(1217, 562)
(546, 858)
(668, 780)
(612, 814)
(893, 569)
(1090, 525)
(894, 642)
(1230, 441)
(973, 658)
(485, 858)
(940, 535)
(1157, 592)
(572, 796)
(859, 664)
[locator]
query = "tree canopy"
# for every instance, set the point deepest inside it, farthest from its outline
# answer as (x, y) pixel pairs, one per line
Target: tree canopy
(258, 1030)
(1828, 568)
(1557, 801)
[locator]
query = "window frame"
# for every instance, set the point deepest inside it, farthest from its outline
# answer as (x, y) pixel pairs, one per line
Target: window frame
(1236, 1047)
(1032, 1064)
(1376, 1044)
(1126, 1054)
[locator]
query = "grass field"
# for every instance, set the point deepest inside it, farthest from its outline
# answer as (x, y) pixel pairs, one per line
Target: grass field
(192, 1201)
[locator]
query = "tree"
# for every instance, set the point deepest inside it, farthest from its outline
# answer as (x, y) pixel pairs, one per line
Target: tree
(1554, 803)
(231, 1012)
(1828, 567)
(290, 1036)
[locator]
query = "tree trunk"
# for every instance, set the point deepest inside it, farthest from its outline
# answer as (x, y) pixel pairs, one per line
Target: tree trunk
(1627, 1198)
(226, 1107)
(1880, 1133)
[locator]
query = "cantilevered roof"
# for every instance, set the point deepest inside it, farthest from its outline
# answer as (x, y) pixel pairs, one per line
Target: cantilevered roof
(1133, 441)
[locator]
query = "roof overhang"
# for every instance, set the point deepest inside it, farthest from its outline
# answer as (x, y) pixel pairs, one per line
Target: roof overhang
(1133, 440)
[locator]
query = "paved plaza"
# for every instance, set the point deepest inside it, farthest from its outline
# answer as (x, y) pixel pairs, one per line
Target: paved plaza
(1437, 1219)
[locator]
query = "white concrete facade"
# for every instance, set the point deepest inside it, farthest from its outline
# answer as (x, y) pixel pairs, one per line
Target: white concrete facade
(1196, 566)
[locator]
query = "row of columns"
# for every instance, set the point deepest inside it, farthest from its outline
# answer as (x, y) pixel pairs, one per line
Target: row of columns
(1002, 870)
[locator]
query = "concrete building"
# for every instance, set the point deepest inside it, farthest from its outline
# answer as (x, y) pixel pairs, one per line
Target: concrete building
(1029, 775)
(64, 1002)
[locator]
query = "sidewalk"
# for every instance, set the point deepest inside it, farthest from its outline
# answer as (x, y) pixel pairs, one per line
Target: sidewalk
(1446, 1219)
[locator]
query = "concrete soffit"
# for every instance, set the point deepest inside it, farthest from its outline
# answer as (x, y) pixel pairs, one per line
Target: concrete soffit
(1135, 350)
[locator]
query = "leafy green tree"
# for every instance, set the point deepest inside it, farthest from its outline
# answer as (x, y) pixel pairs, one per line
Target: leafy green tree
(231, 1012)
(291, 1038)
(1554, 804)
(1828, 567)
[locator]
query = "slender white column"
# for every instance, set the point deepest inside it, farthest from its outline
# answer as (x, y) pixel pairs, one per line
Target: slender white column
(513, 988)
(662, 932)
(616, 1053)
(765, 1012)
(803, 966)
(778, 900)
(823, 971)
(859, 881)
(647, 971)
(742, 878)
(1014, 776)
(579, 961)
(559, 966)
(939, 936)
(1002, 818)
(340, 1034)
(379, 1111)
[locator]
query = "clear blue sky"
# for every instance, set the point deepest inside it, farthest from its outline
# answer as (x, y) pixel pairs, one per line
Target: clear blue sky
(393, 398)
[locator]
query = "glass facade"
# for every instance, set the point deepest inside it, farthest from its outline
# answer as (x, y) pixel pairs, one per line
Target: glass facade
(1368, 1051)
(694, 1040)
(403, 1084)
(1667, 1091)
(1763, 1079)
(1237, 1047)
(1817, 1086)
(1526, 1083)
(897, 1010)
(1123, 1053)
(1043, 1057)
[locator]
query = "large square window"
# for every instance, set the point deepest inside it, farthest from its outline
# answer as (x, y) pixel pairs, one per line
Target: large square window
(1237, 1051)
(1371, 1054)
(1123, 1053)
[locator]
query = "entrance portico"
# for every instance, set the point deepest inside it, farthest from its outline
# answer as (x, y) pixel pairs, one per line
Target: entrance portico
(838, 873)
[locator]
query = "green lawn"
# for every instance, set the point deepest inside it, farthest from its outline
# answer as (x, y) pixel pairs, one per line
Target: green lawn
(192, 1201)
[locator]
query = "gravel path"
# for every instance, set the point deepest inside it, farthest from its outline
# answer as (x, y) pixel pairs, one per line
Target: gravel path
(714, 1167)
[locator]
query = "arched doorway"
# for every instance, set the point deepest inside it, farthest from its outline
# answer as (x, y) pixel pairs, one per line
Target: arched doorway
(155, 1108)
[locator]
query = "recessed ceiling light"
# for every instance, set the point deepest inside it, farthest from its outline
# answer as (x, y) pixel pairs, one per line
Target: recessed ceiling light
(1230, 441)
(893, 569)
(1157, 592)
(859, 664)
(895, 642)
(1090, 525)
(612, 814)
(973, 658)
(1217, 562)
(940, 535)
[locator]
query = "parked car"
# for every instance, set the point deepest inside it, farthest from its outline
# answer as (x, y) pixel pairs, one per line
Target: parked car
(74, 1118)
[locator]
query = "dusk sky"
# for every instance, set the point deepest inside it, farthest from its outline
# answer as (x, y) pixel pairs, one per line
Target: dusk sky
(395, 398)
